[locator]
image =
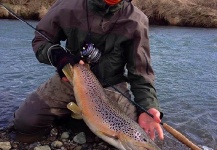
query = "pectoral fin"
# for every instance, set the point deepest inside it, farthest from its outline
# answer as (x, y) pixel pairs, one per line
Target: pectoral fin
(111, 138)
(107, 134)
(76, 112)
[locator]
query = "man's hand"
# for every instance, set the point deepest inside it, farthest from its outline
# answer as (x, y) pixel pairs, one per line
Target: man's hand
(61, 57)
(150, 125)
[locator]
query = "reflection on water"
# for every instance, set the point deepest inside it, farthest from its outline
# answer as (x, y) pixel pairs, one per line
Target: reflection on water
(184, 60)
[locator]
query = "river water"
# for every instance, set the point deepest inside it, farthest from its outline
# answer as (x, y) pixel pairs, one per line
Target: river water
(185, 64)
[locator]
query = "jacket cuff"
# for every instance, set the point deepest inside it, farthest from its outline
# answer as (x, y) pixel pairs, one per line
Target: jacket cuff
(55, 53)
(139, 111)
(147, 104)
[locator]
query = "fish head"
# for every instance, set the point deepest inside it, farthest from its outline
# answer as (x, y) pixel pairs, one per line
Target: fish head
(138, 141)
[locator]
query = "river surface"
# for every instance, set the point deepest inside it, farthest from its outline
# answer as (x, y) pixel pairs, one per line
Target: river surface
(185, 64)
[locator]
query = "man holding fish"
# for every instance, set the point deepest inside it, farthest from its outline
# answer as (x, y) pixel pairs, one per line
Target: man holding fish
(112, 37)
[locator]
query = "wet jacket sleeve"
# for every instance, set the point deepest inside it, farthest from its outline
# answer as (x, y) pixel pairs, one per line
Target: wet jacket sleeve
(49, 27)
(140, 72)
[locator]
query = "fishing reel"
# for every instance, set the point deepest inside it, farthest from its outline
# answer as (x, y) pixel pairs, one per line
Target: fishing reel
(90, 53)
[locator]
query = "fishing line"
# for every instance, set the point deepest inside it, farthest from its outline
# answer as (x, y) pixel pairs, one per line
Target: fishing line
(19, 18)
(116, 89)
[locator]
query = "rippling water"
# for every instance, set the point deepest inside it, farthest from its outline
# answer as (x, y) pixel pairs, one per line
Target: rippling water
(185, 63)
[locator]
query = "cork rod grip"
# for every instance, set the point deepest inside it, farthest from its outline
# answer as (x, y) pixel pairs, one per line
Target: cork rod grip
(180, 137)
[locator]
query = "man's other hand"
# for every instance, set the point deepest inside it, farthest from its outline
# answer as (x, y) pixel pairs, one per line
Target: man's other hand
(150, 125)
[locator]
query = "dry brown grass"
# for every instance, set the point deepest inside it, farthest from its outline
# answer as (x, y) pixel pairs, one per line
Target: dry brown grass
(179, 12)
(27, 9)
(206, 3)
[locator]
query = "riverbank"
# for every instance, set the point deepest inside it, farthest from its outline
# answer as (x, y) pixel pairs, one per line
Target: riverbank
(192, 13)
(75, 137)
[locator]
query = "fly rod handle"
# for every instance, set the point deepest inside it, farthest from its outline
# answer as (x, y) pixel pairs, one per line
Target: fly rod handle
(180, 137)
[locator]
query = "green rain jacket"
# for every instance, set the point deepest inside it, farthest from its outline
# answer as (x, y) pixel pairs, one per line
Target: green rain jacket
(120, 32)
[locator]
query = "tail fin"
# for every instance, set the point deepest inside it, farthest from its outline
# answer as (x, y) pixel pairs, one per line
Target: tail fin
(68, 71)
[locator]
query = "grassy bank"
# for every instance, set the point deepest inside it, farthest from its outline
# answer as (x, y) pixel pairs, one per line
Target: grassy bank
(196, 13)
(27, 9)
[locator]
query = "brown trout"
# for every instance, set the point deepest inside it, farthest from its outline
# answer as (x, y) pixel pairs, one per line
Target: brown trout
(102, 116)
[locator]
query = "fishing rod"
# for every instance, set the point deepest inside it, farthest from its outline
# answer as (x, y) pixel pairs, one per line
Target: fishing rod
(22, 20)
(168, 128)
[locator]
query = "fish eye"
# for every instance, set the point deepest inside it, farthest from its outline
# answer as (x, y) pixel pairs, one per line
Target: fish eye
(144, 140)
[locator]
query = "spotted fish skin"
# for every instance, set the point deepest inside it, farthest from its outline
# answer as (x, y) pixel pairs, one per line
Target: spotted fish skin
(102, 116)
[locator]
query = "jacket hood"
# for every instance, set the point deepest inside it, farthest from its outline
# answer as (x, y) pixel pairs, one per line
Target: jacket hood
(101, 7)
